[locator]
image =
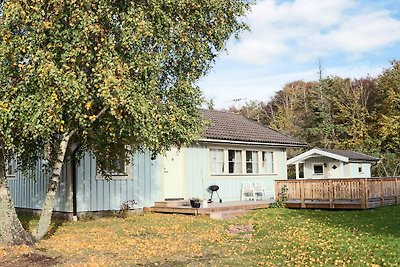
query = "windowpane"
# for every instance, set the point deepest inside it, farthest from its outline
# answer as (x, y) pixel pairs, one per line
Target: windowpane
(119, 168)
(11, 167)
(217, 161)
(235, 161)
(318, 169)
(251, 162)
(268, 162)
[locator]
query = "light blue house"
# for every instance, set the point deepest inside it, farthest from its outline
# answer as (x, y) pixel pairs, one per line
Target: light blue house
(326, 163)
(233, 150)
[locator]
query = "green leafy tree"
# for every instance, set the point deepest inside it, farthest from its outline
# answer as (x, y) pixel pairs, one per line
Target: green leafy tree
(252, 109)
(388, 109)
(111, 76)
(289, 110)
(387, 116)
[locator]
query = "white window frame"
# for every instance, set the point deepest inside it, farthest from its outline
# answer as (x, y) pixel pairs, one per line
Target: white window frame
(261, 170)
(8, 163)
(318, 164)
(126, 175)
(360, 167)
(264, 162)
(254, 162)
(240, 161)
(223, 171)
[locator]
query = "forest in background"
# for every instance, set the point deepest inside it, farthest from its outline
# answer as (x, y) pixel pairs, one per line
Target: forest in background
(357, 114)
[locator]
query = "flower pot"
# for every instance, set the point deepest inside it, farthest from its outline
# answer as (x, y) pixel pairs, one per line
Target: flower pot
(194, 204)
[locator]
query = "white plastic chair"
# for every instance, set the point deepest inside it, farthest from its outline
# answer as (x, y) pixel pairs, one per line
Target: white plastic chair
(259, 191)
(247, 191)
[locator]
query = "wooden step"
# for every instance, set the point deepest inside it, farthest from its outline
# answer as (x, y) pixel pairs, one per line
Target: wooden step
(178, 210)
(172, 203)
(250, 206)
(231, 214)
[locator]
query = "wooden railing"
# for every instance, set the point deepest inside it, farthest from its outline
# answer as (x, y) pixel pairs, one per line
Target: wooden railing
(357, 193)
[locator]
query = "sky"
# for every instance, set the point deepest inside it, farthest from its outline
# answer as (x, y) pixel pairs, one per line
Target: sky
(290, 39)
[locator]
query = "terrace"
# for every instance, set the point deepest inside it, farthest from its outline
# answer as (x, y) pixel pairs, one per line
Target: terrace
(357, 193)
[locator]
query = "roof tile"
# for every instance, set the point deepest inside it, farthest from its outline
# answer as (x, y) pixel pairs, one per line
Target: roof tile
(226, 125)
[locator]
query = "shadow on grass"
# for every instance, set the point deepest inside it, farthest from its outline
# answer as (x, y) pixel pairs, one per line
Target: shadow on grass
(383, 221)
(30, 221)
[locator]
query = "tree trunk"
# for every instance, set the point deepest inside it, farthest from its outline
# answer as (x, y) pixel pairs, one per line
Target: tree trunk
(11, 230)
(50, 201)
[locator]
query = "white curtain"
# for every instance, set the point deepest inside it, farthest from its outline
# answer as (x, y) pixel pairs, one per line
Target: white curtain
(268, 162)
(238, 162)
(217, 161)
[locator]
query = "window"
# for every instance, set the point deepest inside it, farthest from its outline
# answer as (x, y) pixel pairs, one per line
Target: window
(267, 162)
(121, 170)
(301, 170)
(11, 168)
(318, 169)
(217, 161)
(251, 162)
(360, 168)
(235, 161)
(240, 161)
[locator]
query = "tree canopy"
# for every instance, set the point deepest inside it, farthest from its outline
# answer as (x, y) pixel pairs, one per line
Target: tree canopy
(136, 60)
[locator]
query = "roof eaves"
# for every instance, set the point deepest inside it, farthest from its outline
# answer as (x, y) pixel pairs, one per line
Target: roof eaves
(230, 141)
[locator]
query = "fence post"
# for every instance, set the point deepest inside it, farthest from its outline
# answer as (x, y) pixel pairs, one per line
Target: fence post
(276, 190)
(363, 193)
(382, 199)
(397, 190)
(303, 205)
(331, 194)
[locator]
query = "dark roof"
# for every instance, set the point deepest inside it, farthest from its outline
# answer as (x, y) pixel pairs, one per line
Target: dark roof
(226, 125)
(351, 155)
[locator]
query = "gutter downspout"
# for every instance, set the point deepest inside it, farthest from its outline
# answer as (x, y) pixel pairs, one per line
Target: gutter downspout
(74, 186)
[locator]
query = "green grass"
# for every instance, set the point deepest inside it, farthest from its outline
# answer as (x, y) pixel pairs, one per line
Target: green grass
(281, 237)
(319, 237)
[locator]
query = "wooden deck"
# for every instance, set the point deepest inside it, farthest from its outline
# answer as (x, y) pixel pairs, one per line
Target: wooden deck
(224, 210)
(360, 193)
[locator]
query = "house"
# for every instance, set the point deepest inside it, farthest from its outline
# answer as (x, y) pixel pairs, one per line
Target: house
(232, 150)
(332, 163)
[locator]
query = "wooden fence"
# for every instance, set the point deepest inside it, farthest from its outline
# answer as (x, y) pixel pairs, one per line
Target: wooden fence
(358, 193)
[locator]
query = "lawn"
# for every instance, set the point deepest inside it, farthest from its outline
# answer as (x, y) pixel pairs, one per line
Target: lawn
(272, 237)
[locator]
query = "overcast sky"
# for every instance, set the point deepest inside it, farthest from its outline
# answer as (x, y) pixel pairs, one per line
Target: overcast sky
(288, 39)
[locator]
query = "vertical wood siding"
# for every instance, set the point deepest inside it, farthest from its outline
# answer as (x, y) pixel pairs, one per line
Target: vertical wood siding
(142, 185)
(29, 192)
(349, 170)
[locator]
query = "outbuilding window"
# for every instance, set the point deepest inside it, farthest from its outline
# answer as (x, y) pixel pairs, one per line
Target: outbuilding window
(318, 169)
(360, 168)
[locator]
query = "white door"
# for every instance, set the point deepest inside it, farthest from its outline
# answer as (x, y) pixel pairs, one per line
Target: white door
(174, 184)
(334, 170)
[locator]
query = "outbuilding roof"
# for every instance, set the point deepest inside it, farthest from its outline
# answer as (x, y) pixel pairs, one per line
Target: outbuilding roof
(229, 126)
(338, 154)
(351, 155)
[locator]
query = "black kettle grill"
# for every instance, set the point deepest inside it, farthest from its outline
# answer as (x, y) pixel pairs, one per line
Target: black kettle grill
(212, 189)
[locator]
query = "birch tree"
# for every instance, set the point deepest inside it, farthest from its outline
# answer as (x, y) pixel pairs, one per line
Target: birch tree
(111, 74)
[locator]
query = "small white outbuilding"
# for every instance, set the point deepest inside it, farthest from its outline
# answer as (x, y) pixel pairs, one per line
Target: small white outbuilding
(323, 163)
